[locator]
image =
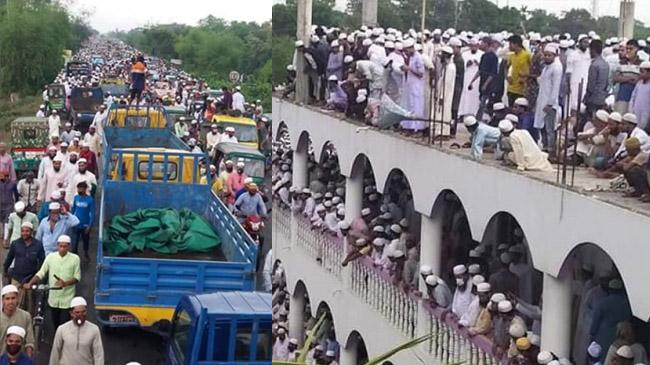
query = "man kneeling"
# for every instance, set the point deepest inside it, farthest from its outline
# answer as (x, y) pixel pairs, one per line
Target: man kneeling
(521, 150)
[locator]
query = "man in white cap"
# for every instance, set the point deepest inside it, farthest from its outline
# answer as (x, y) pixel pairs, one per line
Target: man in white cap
(180, 127)
(54, 123)
(41, 111)
(547, 111)
(330, 358)
(12, 315)
(63, 270)
(639, 100)
(68, 134)
(16, 219)
(469, 99)
(335, 61)
(238, 100)
(479, 300)
(463, 294)
(444, 92)
(337, 99)
(13, 342)
(46, 162)
(229, 136)
(577, 70)
(631, 129)
(293, 349)
(80, 174)
(100, 118)
(594, 351)
(53, 179)
(413, 98)
(505, 318)
(26, 254)
(438, 291)
(77, 341)
(482, 135)
(281, 346)
(93, 140)
(521, 150)
(236, 182)
(212, 138)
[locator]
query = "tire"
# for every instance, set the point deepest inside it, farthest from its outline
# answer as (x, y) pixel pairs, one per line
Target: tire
(38, 331)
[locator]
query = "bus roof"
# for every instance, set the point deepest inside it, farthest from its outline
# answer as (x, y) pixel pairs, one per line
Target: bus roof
(237, 120)
(235, 303)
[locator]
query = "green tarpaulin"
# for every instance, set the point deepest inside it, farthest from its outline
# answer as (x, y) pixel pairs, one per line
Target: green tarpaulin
(166, 231)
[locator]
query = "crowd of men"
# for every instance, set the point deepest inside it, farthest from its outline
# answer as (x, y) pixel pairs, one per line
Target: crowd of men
(515, 94)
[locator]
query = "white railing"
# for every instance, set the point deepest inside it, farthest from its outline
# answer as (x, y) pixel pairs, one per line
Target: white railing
(376, 288)
(281, 224)
(451, 344)
(327, 250)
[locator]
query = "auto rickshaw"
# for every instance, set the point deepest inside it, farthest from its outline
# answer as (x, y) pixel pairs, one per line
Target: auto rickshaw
(245, 128)
(29, 140)
(142, 116)
(173, 113)
(56, 96)
(254, 160)
(169, 165)
(85, 102)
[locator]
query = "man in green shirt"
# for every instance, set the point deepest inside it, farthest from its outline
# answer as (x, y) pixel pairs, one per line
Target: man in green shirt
(11, 315)
(64, 272)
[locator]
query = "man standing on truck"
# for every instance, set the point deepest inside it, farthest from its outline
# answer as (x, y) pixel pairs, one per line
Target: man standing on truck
(53, 227)
(63, 271)
(138, 76)
(77, 341)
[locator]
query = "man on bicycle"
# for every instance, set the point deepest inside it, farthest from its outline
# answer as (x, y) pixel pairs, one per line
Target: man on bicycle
(11, 315)
(27, 254)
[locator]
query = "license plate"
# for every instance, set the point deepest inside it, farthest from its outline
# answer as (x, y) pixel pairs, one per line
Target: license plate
(121, 318)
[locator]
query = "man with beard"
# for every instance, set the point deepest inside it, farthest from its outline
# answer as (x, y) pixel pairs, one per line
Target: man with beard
(8, 195)
(13, 344)
(46, 162)
(16, 219)
(28, 191)
(53, 179)
(469, 98)
(479, 301)
(413, 98)
(81, 174)
(577, 70)
(77, 341)
(90, 157)
(463, 293)
(251, 203)
(235, 182)
(26, 254)
(547, 108)
(11, 315)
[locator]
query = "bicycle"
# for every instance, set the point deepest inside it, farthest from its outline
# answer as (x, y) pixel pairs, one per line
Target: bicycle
(38, 319)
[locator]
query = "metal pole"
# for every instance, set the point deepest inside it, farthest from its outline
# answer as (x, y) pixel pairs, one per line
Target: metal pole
(575, 144)
(424, 14)
(442, 107)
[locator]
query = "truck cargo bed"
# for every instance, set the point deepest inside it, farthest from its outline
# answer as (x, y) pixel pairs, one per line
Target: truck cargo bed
(215, 255)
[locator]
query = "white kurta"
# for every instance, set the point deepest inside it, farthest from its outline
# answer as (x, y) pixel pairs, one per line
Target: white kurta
(526, 153)
(461, 300)
(469, 99)
(578, 63)
(54, 123)
(549, 91)
(238, 101)
(443, 100)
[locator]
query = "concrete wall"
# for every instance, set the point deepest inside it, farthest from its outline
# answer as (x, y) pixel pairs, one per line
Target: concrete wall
(554, 220)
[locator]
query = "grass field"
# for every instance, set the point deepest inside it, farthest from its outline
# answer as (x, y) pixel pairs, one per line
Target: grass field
(26, 106)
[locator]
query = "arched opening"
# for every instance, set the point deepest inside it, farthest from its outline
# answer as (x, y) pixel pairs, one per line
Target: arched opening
(355, 343)
(325, 336)
(600, 303)
(282, 133)
(506, 263)
(456, 234)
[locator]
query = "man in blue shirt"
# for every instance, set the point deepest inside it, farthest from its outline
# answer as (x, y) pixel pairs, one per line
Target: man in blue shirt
(53, 226)
(83, 207)
(482, 135)
(14, 342)
(251, 203)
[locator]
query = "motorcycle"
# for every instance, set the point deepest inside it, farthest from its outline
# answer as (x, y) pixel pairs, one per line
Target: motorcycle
(253, 226)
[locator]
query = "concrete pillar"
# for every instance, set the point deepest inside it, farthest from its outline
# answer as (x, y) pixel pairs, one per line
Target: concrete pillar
(369, 12)
(297, 316)
(349, 354)
(300, 168)
(353, 197)
(430, 249)
(626, 19)
(303, 32)
(556, 316)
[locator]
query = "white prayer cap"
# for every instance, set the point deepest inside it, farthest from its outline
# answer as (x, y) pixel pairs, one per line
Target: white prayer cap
(350, 38)
(582, 36)
(408, 43)
(293, 341)
(299, 44)
(386, 215)
(534, 339)
(55, 205)
(431, 280)
(594, 349)
(602, 115)
(19, 207)
(366, 42)
(396, 228)
(447, 50)
(478, 279)
(361, 241)
(460, 269)
(344, 225)
(379, 229)
(64, 238)
(8, 289)
(615, 284)
(551, 48)
(343, 36)
(544, 357)
(554, 362)
(474, 268)
(564, 361)
(475, 254)
(396, 254)
(379, 241)
(517, 330)
(630, 118)
(437, 31)
(505, 126)
(521, 102)
(455, 42)
(451, 31)
(380, 40)
(51, 148)
(426, 270)
(498, 106)
(473, 41)
(497, 297)
(290, 68)
(505, 306)
(330, 353)
(625, 352)
(327, 203)
(513, 118)
(616, 116)
(16, 330)
(572, 43)
(483, 287)
(335, 43)
(645, 64)
(564, 44)
(389, 44)
(399, 46)
(469, 121)
(372, 197)
(314, 39)
(360, 99)
(27, 225)
(333, 78)
(404, 222)
(78, 301)
(230, 129)
(365, 211)
(58, 158)
(281, 331)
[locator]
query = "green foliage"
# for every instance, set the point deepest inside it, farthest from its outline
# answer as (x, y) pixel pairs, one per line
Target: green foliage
(283, 48)
(212, 49)
(33, 35)
(25, 106)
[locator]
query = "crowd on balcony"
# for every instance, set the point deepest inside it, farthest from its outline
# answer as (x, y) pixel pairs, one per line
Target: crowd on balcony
(515, 94)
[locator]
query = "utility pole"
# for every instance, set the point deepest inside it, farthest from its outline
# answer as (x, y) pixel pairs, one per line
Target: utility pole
(626, 19)
(424, 14)
(369, 13)
(594, 9)
(303, 32)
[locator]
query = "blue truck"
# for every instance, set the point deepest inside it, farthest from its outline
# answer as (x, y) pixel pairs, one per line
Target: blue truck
(221, 328)
(142, 289)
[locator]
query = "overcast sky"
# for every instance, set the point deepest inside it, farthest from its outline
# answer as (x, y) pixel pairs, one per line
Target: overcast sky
(107, 15)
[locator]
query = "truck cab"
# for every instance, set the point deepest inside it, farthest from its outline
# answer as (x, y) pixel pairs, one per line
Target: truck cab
(221, 328)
